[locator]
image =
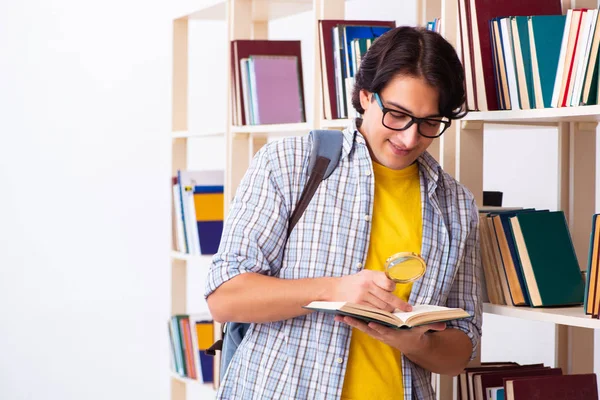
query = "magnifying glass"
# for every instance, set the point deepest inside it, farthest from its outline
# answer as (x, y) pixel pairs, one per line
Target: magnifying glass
(405, 267)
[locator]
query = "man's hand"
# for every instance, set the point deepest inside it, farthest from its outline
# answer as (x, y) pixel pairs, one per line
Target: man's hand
(408, 341)
(371, 288)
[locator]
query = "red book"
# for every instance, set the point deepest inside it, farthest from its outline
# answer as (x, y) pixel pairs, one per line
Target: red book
(245, 48)
(483, 11)
(188, 349)
(328, 73)
(496, 379)
(564, 387)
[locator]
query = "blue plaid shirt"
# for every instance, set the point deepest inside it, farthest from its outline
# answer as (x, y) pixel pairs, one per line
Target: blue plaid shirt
(305, 357)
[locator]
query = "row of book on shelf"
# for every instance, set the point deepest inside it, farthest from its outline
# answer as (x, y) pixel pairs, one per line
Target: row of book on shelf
(267, 80)
(529, 259)
(512, 381)
(526, 54)
(198, 208)
(190, 336)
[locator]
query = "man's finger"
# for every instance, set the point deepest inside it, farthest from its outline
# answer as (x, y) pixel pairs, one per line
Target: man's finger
(392, 300)
(384, 282)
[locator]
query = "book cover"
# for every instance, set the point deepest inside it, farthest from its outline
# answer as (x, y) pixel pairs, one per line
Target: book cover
(277, 96)
(420, 315)
(572, 387)
(548, 259)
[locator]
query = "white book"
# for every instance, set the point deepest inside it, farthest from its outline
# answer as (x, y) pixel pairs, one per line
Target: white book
(510, 63)
(561, 60)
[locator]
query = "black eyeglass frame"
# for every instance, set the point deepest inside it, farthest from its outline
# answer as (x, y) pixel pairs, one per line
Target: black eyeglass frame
(413, 120)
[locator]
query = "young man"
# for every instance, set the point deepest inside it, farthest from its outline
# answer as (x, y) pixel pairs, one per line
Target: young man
(386, 195)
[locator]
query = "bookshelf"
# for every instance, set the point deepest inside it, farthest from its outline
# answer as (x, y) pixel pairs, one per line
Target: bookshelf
(462, 155)
(460, 151)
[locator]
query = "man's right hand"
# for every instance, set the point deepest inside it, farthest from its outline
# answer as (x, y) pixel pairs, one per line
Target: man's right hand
(372, 288)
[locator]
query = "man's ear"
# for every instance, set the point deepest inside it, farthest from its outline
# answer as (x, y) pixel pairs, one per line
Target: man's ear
(365, 99)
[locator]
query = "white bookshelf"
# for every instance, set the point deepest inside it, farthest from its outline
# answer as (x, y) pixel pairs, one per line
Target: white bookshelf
(196, 135)
(204, 259)
(538, 116)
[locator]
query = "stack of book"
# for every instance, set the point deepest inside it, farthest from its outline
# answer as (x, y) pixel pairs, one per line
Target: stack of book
(511, 381)
(198, 211)
(528, 258)
(526, 54)
(342, 45)
(190, 336)
(267, 85)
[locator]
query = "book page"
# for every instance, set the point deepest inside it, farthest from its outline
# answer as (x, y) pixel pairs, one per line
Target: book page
(420, 309)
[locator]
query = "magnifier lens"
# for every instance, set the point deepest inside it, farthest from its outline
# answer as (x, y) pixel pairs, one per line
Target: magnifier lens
(404, 267)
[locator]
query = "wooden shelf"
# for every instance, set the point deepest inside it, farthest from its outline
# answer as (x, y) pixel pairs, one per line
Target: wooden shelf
(334, 123)
(262, 10)
(529, 117)
(194, 135)
(188, 257)
(208, 386)
(571, 316)
(301, 128)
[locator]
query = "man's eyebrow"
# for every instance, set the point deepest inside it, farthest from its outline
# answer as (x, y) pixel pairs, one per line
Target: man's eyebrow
(406, 110)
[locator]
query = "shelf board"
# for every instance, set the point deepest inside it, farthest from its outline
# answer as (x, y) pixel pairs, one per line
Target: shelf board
(571, 316)
(551, 115)
(334, 123)
(188, 381)
(188, 257)
(274, 129)
(194, 135)
(262, 10)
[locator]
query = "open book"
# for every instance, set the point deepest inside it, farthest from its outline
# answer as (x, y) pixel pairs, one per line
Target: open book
(420, 315)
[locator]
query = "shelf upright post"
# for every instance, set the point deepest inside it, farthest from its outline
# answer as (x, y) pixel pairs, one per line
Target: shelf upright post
(322, 9)
(179, 161)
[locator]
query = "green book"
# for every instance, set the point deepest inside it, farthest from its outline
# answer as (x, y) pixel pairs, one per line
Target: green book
(547, 36)
(523, 32)
(548, 259)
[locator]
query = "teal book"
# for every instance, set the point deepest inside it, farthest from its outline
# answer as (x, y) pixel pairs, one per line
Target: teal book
(547, 36)
(548, 259)
(523, 30)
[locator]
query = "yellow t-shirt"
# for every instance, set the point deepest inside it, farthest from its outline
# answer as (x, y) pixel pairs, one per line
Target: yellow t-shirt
(374, 369)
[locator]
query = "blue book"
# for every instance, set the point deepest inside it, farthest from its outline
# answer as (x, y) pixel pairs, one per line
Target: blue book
(350, 33)
(207, 367)
(210, 236)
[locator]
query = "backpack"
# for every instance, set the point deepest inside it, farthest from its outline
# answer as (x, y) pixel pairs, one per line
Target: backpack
(324, 158)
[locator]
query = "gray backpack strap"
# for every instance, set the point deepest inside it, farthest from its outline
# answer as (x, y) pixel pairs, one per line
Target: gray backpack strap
(327, 144)
(324, 158)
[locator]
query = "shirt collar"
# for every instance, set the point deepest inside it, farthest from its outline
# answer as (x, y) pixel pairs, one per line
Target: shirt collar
(428, 166)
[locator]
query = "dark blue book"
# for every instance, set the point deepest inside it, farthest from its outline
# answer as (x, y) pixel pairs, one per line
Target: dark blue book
(210, 236)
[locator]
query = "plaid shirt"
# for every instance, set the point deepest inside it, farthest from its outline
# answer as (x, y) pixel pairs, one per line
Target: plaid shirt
(305, 357)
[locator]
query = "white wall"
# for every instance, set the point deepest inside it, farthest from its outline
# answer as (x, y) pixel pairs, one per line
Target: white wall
(84, 206)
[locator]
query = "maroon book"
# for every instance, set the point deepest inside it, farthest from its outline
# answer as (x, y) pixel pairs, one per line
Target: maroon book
(484, 11)
(564, 387)
(496, 379)
(245, 48)
(326, 31)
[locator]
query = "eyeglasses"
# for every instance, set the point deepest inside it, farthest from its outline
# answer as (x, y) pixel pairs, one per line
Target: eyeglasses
(397, 120)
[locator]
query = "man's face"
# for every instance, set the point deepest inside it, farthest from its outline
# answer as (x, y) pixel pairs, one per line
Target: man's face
(409, 95)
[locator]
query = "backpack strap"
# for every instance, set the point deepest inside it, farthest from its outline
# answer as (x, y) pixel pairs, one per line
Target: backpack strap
(324, 158)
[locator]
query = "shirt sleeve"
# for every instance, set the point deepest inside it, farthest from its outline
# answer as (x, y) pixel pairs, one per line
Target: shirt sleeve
(254, 233)
(466, 289)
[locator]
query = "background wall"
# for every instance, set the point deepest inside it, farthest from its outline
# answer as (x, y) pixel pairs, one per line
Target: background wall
(84, 205)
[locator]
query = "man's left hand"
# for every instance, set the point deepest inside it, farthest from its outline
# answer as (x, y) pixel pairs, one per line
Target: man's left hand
(408, 341)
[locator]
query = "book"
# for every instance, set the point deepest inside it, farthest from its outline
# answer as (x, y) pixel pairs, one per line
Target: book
(572, 387)
(422, 314)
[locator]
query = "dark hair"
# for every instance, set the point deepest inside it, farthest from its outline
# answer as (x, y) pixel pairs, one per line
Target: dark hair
(414, 52)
